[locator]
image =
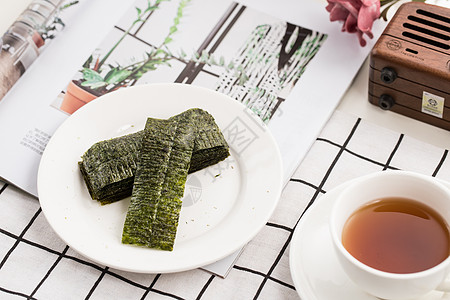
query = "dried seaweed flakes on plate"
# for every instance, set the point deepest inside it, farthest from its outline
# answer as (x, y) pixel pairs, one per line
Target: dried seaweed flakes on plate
(164, 159)
(109, 166)
(210, 145)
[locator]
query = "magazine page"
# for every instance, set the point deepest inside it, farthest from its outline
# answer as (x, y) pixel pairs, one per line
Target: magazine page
(36, 26)
(26, 117)
(286, 61)
(9, 15)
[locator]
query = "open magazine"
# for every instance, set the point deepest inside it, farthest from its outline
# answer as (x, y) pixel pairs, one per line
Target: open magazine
(283, 59)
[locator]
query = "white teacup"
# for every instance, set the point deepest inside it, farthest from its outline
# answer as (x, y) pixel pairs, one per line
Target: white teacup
(385, 184)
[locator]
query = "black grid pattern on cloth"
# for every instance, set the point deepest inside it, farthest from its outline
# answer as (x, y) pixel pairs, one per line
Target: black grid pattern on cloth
(42, 270)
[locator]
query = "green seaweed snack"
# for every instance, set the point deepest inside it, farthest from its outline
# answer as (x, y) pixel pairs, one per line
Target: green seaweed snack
(109, 166)
(210, 146)
(164, 160)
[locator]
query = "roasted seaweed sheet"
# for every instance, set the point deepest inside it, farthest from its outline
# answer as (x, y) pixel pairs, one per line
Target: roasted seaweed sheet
(109, 166)
(162, 169)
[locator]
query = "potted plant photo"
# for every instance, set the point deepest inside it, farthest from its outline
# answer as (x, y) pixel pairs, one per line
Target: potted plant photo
(97, 77)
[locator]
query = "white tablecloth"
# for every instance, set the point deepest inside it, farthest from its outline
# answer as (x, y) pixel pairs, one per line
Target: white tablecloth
(36, 264)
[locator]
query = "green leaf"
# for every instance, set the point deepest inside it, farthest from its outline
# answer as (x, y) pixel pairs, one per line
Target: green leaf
(68, 5)
(116, 75)
(212, 61)
(173, 29)
(110, 72)
(167, 40)
(91, 75)
(205, 56)
(159, 51)
(151, 8)
(243, 78)
(88, 62)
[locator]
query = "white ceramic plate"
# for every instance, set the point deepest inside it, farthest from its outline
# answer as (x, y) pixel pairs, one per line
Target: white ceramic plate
(224, 205)
(315, 270)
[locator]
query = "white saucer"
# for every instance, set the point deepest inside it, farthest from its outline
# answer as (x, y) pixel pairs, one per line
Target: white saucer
(315, 270)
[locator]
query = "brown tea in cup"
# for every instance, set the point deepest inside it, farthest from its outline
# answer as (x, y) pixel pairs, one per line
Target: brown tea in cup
(397, 235)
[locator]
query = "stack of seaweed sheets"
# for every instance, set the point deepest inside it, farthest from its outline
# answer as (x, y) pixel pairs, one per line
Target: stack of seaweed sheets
(152, 166)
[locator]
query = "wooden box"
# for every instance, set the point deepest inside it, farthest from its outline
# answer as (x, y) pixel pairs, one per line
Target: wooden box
(410, 64)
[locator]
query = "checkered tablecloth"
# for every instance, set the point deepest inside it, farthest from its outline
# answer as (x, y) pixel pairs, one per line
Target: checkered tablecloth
(36, 264)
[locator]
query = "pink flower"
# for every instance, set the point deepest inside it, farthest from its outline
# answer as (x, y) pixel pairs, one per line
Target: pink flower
(358, 16)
